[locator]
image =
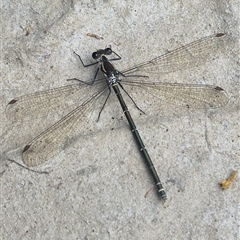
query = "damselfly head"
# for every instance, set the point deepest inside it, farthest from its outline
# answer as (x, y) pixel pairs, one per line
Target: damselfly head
(101, 52)
(96, 55)
(108, 51)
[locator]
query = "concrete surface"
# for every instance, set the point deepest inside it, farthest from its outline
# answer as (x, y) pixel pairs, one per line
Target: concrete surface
(98, 187)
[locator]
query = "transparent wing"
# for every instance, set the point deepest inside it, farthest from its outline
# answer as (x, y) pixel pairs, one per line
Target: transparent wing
(54, 139)
(186, 56)
(191, 95)
(43, 103)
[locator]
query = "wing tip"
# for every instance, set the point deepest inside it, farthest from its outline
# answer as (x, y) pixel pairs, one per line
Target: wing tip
(13, 101)
(218, 88)
(219, 34)
(26, 148)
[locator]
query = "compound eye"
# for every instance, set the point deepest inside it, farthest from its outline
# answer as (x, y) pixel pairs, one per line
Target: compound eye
(108, 51)
(95, 55)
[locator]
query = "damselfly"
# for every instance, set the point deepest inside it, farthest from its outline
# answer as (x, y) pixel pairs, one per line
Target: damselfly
(52, 140)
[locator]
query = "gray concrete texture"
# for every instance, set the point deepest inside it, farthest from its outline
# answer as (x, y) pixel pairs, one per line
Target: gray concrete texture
(98, 187)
